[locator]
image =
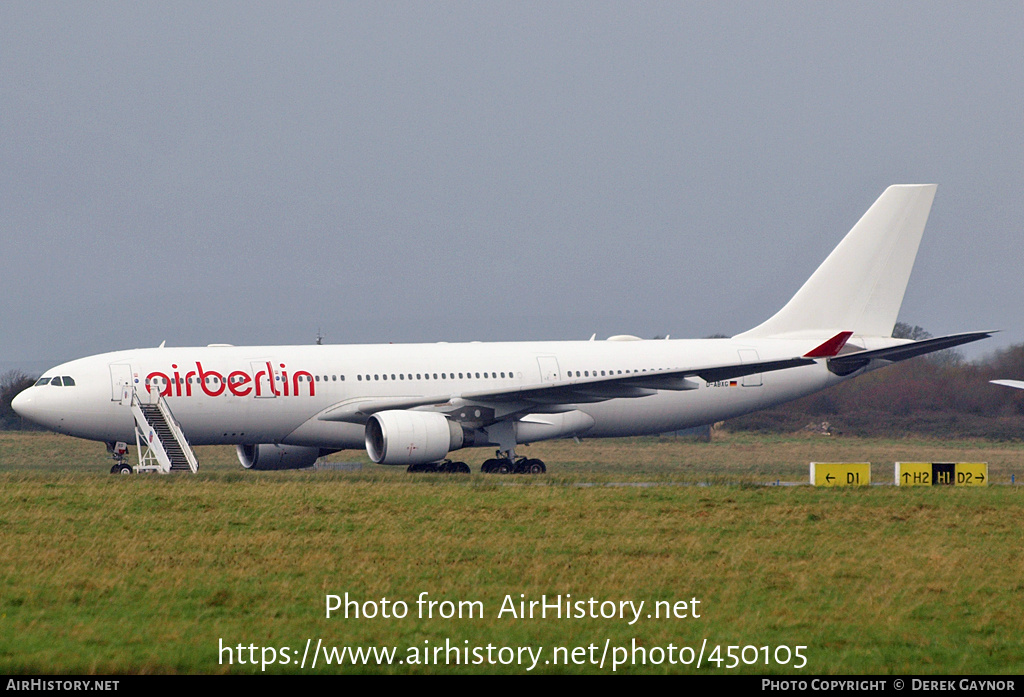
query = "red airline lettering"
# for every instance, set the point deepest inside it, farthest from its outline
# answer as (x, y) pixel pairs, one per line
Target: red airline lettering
(239, 383)
(217, 377)
(236, 386)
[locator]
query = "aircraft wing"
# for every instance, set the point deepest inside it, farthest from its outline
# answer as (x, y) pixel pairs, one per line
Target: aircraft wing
(544, 396)
(575, 391)
(599, 389)
(850, 362)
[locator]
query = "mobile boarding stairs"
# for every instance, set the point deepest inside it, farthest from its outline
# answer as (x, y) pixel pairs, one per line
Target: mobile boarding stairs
(159, 438)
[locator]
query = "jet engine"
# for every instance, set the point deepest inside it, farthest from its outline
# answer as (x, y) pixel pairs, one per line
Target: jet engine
(276, 457)
(411, 437)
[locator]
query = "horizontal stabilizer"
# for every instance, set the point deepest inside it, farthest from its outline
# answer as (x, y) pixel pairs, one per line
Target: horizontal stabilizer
(1009, 383)
(851, 362)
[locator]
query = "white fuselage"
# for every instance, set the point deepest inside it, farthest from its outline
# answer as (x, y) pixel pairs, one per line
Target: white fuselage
(276, 394)
(413, 403)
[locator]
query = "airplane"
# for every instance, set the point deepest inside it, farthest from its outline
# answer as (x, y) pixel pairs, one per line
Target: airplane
(412, 405)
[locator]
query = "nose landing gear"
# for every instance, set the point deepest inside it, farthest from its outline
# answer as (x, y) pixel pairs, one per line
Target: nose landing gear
(119, 451)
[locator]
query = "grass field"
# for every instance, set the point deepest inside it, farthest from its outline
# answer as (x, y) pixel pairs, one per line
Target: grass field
(153, 574)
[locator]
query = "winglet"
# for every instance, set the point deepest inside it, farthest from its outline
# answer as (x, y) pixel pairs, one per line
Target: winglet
(830, 348)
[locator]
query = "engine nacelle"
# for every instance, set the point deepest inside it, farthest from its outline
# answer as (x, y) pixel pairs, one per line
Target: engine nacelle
(411, 437)
(276, 457)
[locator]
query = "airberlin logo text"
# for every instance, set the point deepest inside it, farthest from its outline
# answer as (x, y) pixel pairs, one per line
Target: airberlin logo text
(265, 382)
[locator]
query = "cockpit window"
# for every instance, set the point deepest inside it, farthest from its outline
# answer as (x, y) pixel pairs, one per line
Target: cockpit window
(59, 381)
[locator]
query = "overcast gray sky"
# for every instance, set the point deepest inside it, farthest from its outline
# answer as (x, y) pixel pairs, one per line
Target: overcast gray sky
(422, 171)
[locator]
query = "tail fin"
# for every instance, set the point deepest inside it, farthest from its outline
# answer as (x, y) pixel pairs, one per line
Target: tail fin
(860, 286)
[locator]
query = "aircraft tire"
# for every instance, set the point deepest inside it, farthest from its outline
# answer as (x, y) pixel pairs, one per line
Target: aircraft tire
(536, 467)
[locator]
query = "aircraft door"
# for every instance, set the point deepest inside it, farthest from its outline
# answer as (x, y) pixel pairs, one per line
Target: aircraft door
(121, 383)
(549, 371)
(750, 356)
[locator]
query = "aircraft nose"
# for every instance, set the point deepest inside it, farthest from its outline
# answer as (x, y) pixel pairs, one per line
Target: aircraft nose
(23, 405)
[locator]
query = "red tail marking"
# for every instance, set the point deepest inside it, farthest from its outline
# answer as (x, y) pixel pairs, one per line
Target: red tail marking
(831, 347)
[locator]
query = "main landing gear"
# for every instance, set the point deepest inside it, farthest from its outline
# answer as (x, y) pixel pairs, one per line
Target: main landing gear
(447, 467)
(504, 464)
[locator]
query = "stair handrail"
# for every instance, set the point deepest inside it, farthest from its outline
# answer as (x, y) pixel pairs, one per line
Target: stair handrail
(156, 398)
(179, 434)
(154, 446)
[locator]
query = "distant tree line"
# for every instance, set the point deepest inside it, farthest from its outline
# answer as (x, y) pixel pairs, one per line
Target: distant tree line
(939, 395)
